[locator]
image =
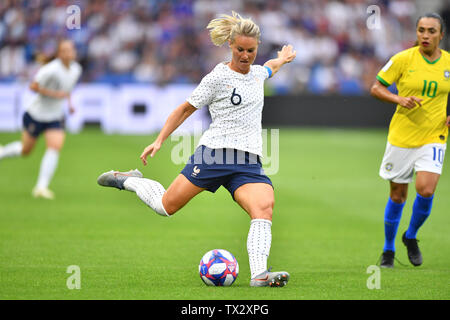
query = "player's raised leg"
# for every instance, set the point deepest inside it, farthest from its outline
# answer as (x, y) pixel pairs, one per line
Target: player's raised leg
(179, 193)
(257, 199)
(163, 202)
(152, 193)
(149, 191)
(12, 149)
(18, 148)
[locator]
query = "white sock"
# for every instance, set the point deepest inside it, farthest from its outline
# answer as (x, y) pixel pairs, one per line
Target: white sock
(258, 245)
(149, 191)
(48, 167)
(13, 149)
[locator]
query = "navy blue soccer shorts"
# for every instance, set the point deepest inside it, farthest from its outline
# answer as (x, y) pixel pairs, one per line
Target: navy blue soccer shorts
(35, 128)
(211, 168)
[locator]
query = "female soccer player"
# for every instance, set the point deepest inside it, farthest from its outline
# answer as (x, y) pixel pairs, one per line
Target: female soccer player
(228, 152)
(53, 84)
(417, 133)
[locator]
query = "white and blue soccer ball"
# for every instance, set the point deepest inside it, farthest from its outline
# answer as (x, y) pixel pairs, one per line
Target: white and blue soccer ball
(218, 267)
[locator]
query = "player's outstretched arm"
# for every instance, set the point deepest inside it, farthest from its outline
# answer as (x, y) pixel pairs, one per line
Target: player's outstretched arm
(286, 55)
(380, 91)
(175, 119)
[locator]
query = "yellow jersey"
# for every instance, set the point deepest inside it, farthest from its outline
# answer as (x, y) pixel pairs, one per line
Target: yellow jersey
(416, 76)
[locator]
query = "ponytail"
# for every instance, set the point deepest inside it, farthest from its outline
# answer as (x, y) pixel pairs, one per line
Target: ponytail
(226, 28)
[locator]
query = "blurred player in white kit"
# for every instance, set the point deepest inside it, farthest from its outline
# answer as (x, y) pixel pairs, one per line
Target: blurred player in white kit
(53, 84)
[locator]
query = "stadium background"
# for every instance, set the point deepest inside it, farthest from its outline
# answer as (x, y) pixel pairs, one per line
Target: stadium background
(155, 45)
(124, 41)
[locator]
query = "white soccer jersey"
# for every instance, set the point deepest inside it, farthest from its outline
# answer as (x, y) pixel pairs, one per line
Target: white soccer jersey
(235, 103)
(53, 76)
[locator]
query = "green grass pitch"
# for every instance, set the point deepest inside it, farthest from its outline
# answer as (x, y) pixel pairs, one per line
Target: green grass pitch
(327, 225)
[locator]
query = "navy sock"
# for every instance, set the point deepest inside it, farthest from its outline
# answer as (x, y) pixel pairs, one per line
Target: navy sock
(421, 211)
(392, 215)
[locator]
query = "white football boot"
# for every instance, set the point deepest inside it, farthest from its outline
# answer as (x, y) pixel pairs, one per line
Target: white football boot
(270, 279)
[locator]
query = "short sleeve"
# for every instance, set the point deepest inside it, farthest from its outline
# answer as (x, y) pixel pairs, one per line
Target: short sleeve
(263, 72)
(392, 71)
(204, 93)
(43, 75)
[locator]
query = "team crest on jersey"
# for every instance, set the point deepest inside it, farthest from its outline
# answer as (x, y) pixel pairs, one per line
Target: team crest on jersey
(447, 74)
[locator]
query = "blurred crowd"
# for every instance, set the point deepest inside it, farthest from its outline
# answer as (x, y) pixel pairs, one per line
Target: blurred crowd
(340, 44)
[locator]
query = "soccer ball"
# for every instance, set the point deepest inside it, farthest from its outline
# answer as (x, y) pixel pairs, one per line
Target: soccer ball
(218, 267)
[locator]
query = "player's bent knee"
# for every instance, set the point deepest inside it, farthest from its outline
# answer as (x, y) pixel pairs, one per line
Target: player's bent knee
(399, 195)
(171, 211)
(170, 207)
(398, 198)
(266, 215)
(263, 211)
(426, 192)
(26, 152)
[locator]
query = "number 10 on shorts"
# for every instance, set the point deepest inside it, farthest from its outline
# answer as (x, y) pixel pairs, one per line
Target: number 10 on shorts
(438, 155)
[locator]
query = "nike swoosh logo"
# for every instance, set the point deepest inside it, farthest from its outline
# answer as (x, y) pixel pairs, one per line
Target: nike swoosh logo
(123, 174)
(263, 279)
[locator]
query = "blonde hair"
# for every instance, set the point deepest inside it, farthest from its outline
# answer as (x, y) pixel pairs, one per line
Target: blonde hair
(226, 28)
